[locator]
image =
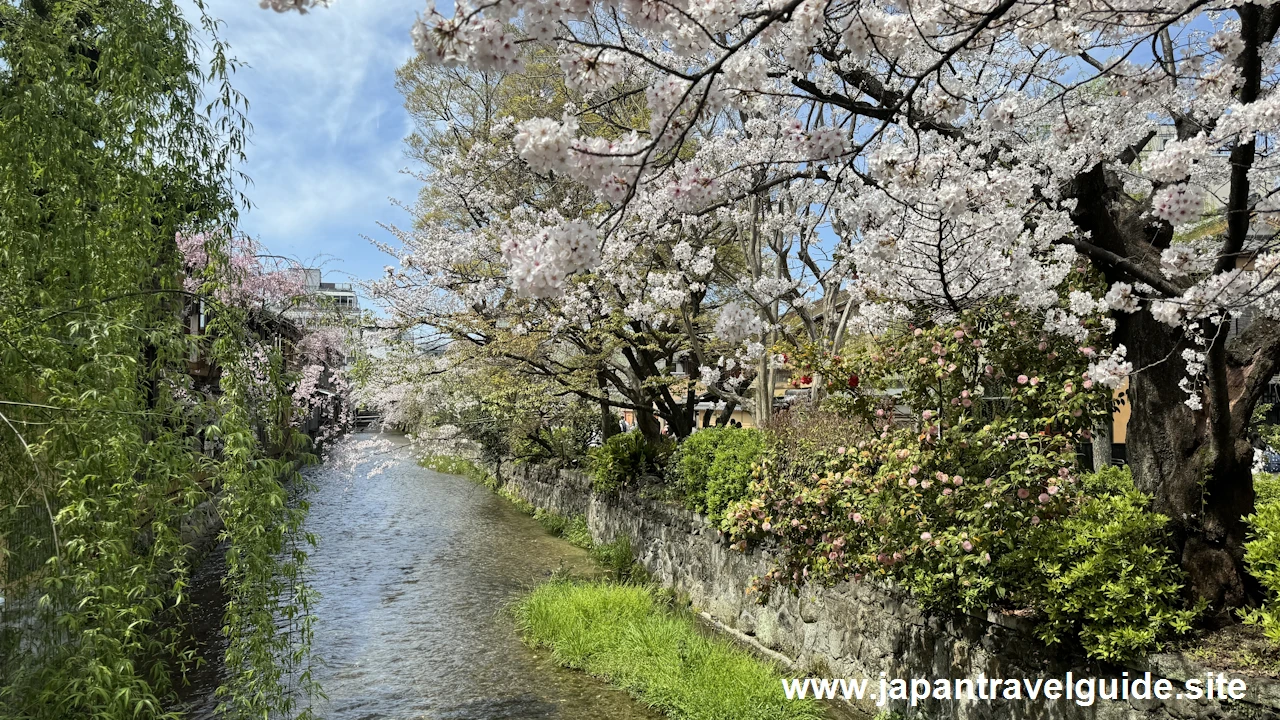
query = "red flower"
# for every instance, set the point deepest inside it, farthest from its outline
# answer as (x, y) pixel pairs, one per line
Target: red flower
(853, 381)
(806, 379)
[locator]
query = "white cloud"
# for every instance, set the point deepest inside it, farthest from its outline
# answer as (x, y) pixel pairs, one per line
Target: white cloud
(328, 124)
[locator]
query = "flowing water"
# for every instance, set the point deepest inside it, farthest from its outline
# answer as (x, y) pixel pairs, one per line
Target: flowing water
(415, 570)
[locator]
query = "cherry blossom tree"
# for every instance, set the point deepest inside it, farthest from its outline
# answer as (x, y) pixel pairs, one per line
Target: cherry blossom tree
(267, 287)
(639, 326)
(958, 152)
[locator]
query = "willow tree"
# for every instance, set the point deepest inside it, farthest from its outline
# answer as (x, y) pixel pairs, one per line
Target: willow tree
(113, 140)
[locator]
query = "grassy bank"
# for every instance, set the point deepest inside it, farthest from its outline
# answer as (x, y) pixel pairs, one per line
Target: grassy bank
(453, 465)
(624, 634)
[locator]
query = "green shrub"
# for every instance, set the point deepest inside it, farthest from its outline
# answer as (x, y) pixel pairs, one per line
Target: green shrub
(690, 465)
(454, 465)
(1262, 557)
(625, 457)
(713, 467)
(1105, 575)
(1266, 486)
(625, 635)
(563, 445)
(1113, 480)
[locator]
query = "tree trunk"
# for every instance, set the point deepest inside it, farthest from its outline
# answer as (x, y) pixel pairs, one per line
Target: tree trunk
(608, 425)
(727, 414)
(1195, 464)
(1102, 440)
(1202, 483)
(763, 406)
(648, 424)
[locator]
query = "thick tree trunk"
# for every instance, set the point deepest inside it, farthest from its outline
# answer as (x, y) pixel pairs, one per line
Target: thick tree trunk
(1202, 483)
(1195, 464)
(648, 424)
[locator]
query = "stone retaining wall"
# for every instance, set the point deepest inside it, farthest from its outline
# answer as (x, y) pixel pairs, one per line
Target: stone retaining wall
(860, 630)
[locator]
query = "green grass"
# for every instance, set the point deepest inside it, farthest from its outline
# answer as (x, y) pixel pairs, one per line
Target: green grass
(577, 533)
(619, 561)
(573, 529)
(624, 634)
(453, 465)
(521, 504)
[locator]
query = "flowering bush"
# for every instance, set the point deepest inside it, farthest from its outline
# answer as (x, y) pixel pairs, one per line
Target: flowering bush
(967, 455)
(987, 452)
(713, 467)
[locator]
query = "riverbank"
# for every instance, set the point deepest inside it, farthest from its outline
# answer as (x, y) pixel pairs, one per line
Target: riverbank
(641, 643)
(859, 630)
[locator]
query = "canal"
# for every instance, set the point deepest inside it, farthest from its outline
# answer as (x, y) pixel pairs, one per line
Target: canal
(415, 571)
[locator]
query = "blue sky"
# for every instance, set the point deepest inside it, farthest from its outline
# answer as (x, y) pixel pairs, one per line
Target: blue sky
(328, 126)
